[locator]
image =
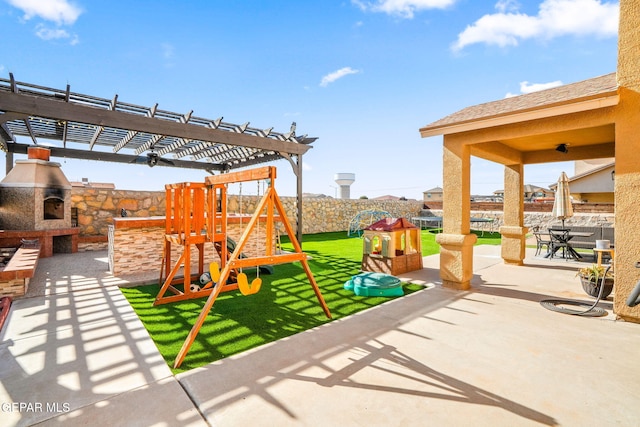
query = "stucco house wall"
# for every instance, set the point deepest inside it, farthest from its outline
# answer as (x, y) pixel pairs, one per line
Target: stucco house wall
(596, 187)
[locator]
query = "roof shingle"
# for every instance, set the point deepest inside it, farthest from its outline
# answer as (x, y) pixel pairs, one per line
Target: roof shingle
(545, 98)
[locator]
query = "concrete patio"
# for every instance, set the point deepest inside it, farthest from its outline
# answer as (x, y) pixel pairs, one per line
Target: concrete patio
(74, 353)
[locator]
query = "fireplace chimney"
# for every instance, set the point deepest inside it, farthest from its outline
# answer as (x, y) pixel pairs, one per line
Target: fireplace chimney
(38, 153)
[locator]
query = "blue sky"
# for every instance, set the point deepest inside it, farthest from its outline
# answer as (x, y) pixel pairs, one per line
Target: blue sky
(363, 75)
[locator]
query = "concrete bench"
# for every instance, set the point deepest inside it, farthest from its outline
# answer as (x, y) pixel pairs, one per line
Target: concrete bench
(14, 277)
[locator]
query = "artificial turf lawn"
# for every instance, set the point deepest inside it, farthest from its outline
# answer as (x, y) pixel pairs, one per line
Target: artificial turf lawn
(285, 305)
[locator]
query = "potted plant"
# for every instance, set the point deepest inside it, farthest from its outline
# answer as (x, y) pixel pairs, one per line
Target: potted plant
(591, 279)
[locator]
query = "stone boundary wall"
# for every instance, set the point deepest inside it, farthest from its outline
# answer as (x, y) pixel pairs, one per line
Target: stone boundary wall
(326, 214)
(543, 220)
(533, 207)
(97, 208)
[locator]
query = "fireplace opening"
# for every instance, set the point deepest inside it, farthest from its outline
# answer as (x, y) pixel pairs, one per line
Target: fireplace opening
(53, 199)
(53, 208)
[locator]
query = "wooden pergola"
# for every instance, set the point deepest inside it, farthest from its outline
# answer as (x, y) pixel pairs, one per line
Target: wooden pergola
(91, 128)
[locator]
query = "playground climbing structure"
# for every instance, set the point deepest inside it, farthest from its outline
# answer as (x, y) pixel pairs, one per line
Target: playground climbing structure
(196, 215)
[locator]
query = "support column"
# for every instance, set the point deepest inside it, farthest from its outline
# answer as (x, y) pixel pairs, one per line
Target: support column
(8, 161)
(296, 165)
(514, 234)
(627, 177)
(298, 172)
(456, 242)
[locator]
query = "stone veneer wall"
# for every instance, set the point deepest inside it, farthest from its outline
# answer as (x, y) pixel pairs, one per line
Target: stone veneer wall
(14, 287)
(140, 250)
(97, 207)
(133, 250)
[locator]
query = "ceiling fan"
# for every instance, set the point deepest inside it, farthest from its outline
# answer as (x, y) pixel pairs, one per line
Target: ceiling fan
(151, 159)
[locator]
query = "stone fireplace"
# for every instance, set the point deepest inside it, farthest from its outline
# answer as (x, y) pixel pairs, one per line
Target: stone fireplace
(35, 194)
(35, 203)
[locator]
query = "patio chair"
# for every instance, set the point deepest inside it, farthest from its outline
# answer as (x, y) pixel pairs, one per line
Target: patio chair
(543, 240)
(559, 240)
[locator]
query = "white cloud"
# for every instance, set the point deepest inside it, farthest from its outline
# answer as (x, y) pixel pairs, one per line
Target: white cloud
(402, 8)
(46, 33)
(526, 87)
(555, 18)
(507, 6)
(51, 33)
(332, 77)
(62, 12)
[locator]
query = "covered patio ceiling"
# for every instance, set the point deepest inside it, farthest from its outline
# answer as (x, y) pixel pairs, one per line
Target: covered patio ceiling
(92, 128)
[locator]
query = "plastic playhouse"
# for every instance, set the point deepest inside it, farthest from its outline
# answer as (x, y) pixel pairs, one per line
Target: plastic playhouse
(392, 246)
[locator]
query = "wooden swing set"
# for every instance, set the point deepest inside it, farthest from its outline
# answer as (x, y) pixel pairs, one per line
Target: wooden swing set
(196, 214)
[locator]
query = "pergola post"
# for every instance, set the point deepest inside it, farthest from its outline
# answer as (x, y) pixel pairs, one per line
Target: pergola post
(513, 231)
(8, 161)
(296, 165)
(298, 172)
(456, 241)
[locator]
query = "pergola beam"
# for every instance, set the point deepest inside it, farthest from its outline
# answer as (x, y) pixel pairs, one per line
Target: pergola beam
(496, 152)
(112, 157)
(155, 138)
(100, 129)
(66, 123)
(30, 130)
(59, 110)
(585, 152)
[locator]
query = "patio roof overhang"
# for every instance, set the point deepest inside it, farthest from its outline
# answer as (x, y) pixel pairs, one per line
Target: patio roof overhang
(92, 128)
(528, 129)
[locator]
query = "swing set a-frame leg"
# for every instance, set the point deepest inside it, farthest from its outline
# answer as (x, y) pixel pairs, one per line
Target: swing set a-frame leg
(224, 275)
(160, 298)
(315, 287)
(298, 249)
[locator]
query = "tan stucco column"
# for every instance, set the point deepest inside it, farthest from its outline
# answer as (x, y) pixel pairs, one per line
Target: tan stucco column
(456, 242)
(513, 232)
(627, 200)
(627, 177)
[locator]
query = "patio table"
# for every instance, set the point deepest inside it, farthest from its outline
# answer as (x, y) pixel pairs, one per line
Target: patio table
(564, 239)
